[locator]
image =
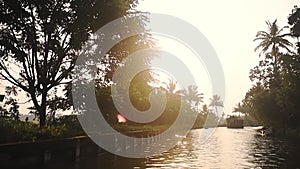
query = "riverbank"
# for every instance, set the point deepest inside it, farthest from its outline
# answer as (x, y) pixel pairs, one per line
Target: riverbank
(286, 133)
(38, 154)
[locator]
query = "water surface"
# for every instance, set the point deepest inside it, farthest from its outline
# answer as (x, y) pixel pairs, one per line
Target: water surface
(207, 148)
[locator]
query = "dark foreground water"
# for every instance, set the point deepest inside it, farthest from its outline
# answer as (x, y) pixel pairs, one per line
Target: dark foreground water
(206, 148)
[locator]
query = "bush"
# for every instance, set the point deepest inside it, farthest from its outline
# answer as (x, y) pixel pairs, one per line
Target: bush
(72, 125)
(18, 131)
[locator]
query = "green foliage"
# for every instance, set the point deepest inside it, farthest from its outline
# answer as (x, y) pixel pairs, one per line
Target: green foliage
(294, 21)
(71, 124)
(19, 131)
(3, 112)
(139, 94)
(216, 102)
(192, 95)
(266, 102)
(139, 90)
(273, 39)
(274, 97)
(42, 38)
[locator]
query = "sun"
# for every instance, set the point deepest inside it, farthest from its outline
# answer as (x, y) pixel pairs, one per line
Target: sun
(172, 57)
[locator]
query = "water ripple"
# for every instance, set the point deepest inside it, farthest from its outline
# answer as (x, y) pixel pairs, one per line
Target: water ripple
(224, 148)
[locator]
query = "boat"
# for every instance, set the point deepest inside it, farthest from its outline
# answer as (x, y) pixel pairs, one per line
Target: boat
(234, 122)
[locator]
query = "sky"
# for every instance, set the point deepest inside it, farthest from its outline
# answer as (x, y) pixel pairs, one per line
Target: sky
(230, 26)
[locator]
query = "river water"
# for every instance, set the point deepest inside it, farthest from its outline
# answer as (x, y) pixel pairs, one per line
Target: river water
(209, 148)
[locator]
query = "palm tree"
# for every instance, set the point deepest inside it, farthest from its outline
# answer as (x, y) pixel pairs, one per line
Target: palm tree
(216, 102)
(171, 87)
(192, 94)
(273, 39)
(240, 109)
(204, 109)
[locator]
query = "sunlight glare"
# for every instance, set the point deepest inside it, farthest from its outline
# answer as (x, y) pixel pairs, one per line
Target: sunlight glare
(189, 59)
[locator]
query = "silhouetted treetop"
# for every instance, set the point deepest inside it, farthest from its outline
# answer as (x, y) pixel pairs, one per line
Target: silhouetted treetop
(294, 20)
(40, 42)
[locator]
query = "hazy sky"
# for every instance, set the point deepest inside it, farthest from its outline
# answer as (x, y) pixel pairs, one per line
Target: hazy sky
(230, 26)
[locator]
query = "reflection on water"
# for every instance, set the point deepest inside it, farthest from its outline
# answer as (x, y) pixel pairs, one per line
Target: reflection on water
(208, 148)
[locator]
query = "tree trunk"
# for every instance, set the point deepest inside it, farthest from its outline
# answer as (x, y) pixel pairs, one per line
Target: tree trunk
(42, 116)
(276, 80)
(42, 110)
(298, 45)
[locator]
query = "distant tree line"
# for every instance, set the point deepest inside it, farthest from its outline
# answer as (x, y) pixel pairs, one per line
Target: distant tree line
(189, 99)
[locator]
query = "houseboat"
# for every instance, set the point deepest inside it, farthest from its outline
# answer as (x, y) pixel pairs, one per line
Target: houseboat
(234, 122)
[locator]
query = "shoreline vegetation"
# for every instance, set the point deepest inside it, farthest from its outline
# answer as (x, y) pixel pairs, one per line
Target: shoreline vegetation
(14, 132)
(19, 131)
(68, 127)
(273, 99)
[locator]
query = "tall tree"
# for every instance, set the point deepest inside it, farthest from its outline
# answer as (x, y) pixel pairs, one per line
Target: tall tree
(40, 41)
(294, 21)
(204, 109)
(273, 39)
(171, 87)
(192, 95)
(270, 43)
(272, 100)
(216, 102)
